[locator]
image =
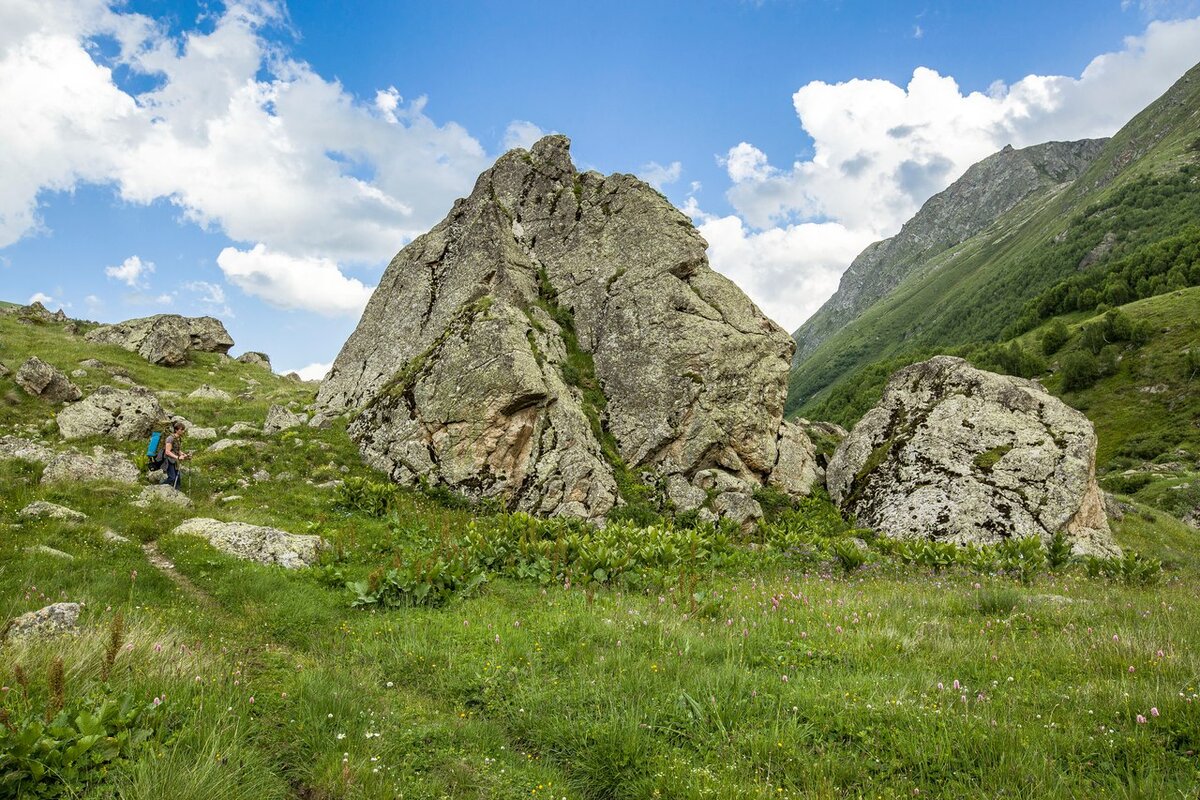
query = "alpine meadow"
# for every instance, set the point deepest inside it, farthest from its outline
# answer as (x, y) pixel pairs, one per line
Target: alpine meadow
(569, 515)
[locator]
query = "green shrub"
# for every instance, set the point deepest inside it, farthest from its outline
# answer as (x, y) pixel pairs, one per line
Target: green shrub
(1054, 337)
(1079, 371)
(1132, 569)
(1058, 551)
(1021, 558)
(369, 497)
(849, 554)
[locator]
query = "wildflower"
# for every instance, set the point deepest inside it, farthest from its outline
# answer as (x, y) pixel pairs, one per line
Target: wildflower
(940, 686)
(1131, 669)
(251, 699)
(157, 647)
(341, 736)
(783, 678)
(1141, 720)
(1154, 711)
(1116, 638)
(957, 685)
(1159, 653)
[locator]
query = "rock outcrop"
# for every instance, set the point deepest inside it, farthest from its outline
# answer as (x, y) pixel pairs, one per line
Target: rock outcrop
(280, 419)
(555, 329)
(166, 339)
(206, 392)
(958, 454)
(40, 379)
(53, 620)
(256, 359)
(14, 447)
(101, 465)
(255, 542)
(120, 413)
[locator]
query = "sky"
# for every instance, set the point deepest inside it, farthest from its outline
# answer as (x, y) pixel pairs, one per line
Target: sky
(263, 162)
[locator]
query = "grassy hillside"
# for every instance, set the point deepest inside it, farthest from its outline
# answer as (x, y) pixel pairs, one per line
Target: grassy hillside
(492, 656)
(1141, 190)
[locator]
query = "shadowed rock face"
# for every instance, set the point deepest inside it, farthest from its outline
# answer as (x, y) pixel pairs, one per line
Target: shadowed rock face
(548, 310)
(958, 454)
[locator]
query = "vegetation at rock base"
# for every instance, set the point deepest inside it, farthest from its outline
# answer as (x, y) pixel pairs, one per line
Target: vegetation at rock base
(812, 659)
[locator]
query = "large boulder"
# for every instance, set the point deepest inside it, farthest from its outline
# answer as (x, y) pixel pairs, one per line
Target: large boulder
(166, 339)
(958, 454)
(53, 620)
(12, 447)
(121, 413)
(255, 542)
(256, 359)
(40, 379)
(555, 327)
(102, 465)
(280, 419)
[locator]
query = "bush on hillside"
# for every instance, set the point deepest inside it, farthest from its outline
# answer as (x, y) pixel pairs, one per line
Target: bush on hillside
(1079, 371)
(1055, 337)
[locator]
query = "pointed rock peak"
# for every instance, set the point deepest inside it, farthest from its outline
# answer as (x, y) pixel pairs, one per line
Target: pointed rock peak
(555, 149)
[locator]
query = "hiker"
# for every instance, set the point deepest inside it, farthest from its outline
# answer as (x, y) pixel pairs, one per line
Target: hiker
(173, 453)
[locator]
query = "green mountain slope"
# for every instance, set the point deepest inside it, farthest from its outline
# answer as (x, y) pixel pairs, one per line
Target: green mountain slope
(1141, 188)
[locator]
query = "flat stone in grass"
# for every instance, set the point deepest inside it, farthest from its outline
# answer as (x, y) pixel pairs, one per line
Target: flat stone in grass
(165, 495)
(255, 542)
(102, 465)
(53, 620)
(207, 392)
(243, 428)
(114, 537)
(46, 550)
(40, 509)
(12, 447)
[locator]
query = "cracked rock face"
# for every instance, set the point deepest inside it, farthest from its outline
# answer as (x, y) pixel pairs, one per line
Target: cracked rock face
(120, 413)
(166, 339)
(962, 455)
(550, 311)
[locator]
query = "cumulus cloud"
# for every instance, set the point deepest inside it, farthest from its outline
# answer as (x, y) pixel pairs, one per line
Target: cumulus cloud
(291, 282)
(659, 176)
(314, 371)
(880, 150)
(131, 271)
(241, 137)
(40, 297)
(520, 133)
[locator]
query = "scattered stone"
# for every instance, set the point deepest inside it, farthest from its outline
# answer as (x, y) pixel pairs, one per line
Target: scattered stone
(120, 413)
(92, 363)
(329, 484)
(4, 371)
(166, 339)
(1157, 388)
(102, 465)
(79, 373)
(1114, 508)
(46, 550)
(225, 444)
(40, 509)
(114, 537)
(202, 434)
(230, 498)
(256, 543)
(294, 376)
(151, 495)
(40, 379)
(456, 368)
(53, 620)
(256, 359)
(279, 419)
(957, 454)
(320, 420)
(243, 428)
(261, 476)
(207, 392)
(683, 495)
(741, 508)
(125, 380)
(12, 447)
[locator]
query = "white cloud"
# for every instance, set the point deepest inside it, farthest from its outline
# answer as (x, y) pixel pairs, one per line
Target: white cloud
(131, 271)
(209, 292)
(40, 297)
(659, 176)
(314, 372)
(880, 150)
(237, 134)
(520, 133)
(285, 281)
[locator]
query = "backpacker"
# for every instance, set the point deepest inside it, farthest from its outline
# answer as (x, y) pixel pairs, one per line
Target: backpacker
(154, 451)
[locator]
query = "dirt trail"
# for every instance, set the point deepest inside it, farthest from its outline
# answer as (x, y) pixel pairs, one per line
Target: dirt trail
(157, 559)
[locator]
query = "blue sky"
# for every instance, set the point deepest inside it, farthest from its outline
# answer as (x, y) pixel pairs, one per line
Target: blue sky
(262, 162)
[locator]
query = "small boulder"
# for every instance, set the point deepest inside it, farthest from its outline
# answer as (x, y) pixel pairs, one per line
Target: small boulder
(796, 470)
(120, 413)
(46, 550)
(114, 538)
(957, 454)
(320, 421)
(161, 494)
(225, 444)
(255, 542)
(4, 371)
(738, 507)
(102, 465)
(279, 419)
(92, 363)
(683, 495)
(40, 509)
(256, 359)
(243, 428)
(206, 392)
(40, 379)
(53, 620)
(12, 447)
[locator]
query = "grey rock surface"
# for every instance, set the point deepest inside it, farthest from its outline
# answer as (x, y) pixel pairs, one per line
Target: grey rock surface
(43, 380)
(206, 392)
(225, 444)
(46, 550)
(40, 509)
(121, 413)
(466, 366)
(255, 542)
(796, 471)
(243, 428)
(256, 359)
(280, 419)
(165, 339)
(969, 205)
(958, 454)
(13, 447)
(101, 465)
(161, 494)
(52, 620)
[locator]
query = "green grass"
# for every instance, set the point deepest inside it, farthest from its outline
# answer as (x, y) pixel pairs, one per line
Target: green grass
(786, 679)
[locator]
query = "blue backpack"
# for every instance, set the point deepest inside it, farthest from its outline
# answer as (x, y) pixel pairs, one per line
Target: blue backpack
(154, 451)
